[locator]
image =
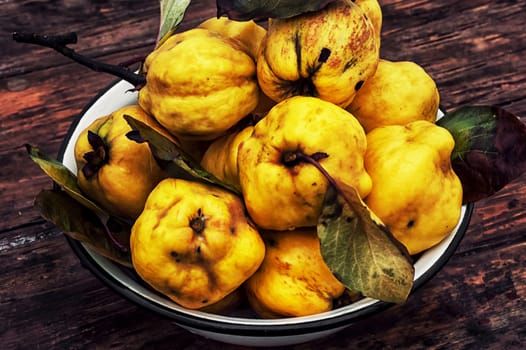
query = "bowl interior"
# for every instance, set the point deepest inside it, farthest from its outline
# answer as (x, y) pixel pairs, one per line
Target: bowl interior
(128, 285)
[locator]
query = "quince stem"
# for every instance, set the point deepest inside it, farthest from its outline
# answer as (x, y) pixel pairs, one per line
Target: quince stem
(295, 157)
(59, 43)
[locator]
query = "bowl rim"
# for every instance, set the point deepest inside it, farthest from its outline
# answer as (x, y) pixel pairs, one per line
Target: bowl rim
(243, 329)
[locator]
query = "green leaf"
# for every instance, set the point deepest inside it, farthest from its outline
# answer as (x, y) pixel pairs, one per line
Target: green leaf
(244, 10)
(490, 148)
(84, 225)
(63, 177)
(172, 14)
(360, 250)
(170, 157)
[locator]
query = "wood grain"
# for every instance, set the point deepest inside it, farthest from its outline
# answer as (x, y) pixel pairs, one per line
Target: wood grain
(476, 52)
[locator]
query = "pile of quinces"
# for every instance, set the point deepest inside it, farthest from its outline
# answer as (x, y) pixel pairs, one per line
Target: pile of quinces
(258, 107)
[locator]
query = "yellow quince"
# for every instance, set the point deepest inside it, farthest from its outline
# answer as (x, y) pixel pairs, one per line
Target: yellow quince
(282, 190)
(248, 33)
(415, 192)
(114, 171)
(373, 11)
(293, 279)
(194, 243)
(398, 93)
(220, 159)
(199, 84)
(327, 53)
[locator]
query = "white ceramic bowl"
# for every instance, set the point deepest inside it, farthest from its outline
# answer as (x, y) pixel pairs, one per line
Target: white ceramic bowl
(245, 328)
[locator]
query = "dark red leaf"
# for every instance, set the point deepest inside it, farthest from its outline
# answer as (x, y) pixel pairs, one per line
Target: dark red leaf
(490, 148)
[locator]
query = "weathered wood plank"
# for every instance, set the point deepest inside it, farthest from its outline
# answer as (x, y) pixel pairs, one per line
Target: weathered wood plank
(474, 49)
(90, 315)
(103, 28)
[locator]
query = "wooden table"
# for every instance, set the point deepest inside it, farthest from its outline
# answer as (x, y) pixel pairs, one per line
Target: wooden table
(475, 50)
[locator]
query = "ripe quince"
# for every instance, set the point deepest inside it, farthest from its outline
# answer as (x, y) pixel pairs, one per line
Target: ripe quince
(248, 33)
(220, 159)
(327, 53)
(398, 93)
(293, 279)
(373, 11)
(415, 192)
(114, 171)
(281, 189)
(199, 84)
(194, 243)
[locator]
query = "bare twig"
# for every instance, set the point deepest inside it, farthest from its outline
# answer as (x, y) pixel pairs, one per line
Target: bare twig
(59, 43)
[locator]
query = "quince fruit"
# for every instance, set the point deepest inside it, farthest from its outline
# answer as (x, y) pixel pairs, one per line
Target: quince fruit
(248, 33)
(194, 243)
(373, 11)
(398, 93)
(114, 171)
(199, 84)
(281, 189)
(220, 159)
(327, 53)
(293, 279)
(415, 192)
